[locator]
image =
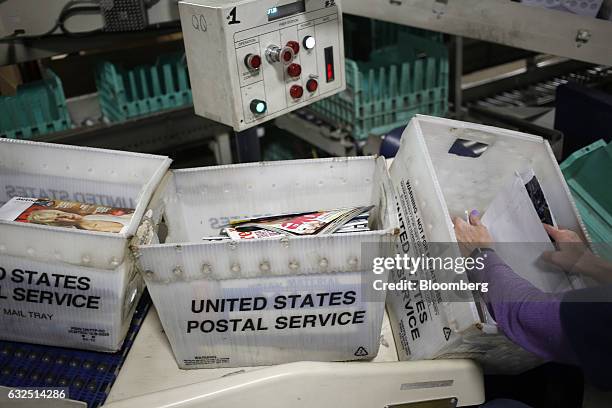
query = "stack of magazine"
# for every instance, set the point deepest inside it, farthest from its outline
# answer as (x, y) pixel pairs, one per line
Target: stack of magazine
(338, 221)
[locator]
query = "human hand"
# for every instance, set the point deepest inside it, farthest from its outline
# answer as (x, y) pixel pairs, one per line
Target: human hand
(574, 256)
(473, 235)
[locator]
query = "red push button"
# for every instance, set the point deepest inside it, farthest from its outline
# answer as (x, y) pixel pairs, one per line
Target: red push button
(294, 45)
(312, 85)
(252, 61)
(296, 91)
(287, 56)
(294, 70)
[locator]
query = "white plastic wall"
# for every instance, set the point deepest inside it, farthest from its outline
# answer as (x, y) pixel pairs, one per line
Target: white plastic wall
(197, 202)
(445, 185)
(67, 287)
(42, 170)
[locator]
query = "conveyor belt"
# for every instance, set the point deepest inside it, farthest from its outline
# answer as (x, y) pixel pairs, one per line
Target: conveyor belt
(543, 93)
(88, 375)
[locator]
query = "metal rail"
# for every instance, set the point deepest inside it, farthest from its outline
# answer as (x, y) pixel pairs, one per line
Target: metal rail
(500, 21)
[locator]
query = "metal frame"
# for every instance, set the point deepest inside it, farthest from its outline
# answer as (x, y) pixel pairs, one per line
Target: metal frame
(150, 377)
(501, 21)
(163, 131)
(23, 50)
(523, 77)
(335, 143)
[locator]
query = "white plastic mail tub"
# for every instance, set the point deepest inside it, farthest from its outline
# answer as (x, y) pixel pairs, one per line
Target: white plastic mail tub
(442, 185)
(270, 278)
(69, 287)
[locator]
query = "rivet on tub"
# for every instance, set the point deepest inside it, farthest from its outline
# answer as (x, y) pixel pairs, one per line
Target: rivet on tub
(294, 265)
(86, 259)
(178, 248)
(30, 251)
(264, 266)
(232, 245)
(235, 268)
(284, 242)
(353, 261)
(323, 263)
(2, 248)
(177, 271)
(114, 262)
(206, 269)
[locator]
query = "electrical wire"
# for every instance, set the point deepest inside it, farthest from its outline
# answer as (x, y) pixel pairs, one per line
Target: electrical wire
(71, 9)
(71, 12)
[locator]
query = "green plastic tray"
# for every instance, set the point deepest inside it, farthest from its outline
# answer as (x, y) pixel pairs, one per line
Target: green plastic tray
(36, 109)
(588, 172)
(143, 90)
(397, 83)
(378, 33)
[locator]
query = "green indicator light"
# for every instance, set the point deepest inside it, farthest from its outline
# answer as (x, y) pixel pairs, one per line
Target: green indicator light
(258, 106)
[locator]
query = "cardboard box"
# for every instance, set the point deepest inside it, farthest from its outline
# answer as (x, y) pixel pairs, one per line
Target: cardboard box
(268, 301)
(434, 185)
(71, 287)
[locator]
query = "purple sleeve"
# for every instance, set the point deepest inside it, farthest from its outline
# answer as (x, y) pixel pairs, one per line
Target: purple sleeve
(528, 316)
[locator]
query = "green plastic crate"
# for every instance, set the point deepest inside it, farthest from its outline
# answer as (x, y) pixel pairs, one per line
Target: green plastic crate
(385, 34)
(397, 83)
(378, 33)
(277, 151)
(588, 173)
(36, 109)
(143, 90)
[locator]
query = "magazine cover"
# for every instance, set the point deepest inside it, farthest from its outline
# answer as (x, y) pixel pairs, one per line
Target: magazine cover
(318, 222)
(66, 214)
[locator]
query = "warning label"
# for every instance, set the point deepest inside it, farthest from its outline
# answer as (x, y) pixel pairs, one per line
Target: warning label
(416, 313)
(206, 360)
(88, 335)
(413, 241)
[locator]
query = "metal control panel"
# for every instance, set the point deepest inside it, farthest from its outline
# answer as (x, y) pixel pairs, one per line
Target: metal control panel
(252, 61)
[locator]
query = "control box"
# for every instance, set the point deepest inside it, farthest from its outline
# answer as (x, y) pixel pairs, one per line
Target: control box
(253, 60)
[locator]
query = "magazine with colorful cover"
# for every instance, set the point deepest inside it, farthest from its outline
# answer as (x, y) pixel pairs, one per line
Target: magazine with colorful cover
(311, 223)
(66, 214)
